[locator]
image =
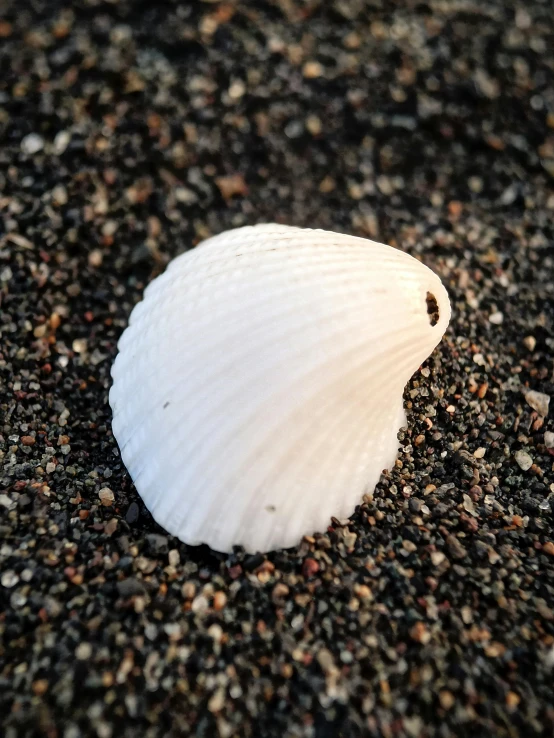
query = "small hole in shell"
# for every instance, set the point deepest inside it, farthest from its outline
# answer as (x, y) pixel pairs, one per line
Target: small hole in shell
(432, 308)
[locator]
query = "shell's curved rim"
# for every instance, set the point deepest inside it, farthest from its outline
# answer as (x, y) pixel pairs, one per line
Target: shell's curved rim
(281, 249)
(254, 267)
(225, 239)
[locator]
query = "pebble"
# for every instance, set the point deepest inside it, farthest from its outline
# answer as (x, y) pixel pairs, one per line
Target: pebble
(437, 557)
(220, 600)
(512, 699)
(130, 587)
(496, 318)
(539, 401)
(217, 700)
(420, 633)
(61, 142)
(524, 460)
(279, 592)
(59, 195)
(79, 345)
(95, 258)
(415, 505)
(9, 579)
(132, 514)
(32, 144)
(312, 70)
(188, 590)
(157, 543)
(40, 687)
(215, 631)
(457, 550)
(237, 90)
(549, 439)
(106, 496)
(231, 185)
(530, 342)
(468, 504)
(446, 699)
(326, 661)
(310, 567)
(200, 604)
(83, 651)
(251, 563)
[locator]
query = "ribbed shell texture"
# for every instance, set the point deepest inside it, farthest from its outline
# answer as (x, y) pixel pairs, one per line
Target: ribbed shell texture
(258, 388)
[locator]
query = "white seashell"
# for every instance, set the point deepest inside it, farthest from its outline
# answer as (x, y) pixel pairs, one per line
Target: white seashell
(258, 388)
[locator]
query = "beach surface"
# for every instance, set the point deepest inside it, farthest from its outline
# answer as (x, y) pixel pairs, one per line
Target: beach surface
(129, 132)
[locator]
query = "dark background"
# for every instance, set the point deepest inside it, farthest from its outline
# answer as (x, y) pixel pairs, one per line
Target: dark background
(128, 133)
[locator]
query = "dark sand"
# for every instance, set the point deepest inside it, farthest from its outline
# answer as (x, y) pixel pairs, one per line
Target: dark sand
(129, 132)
